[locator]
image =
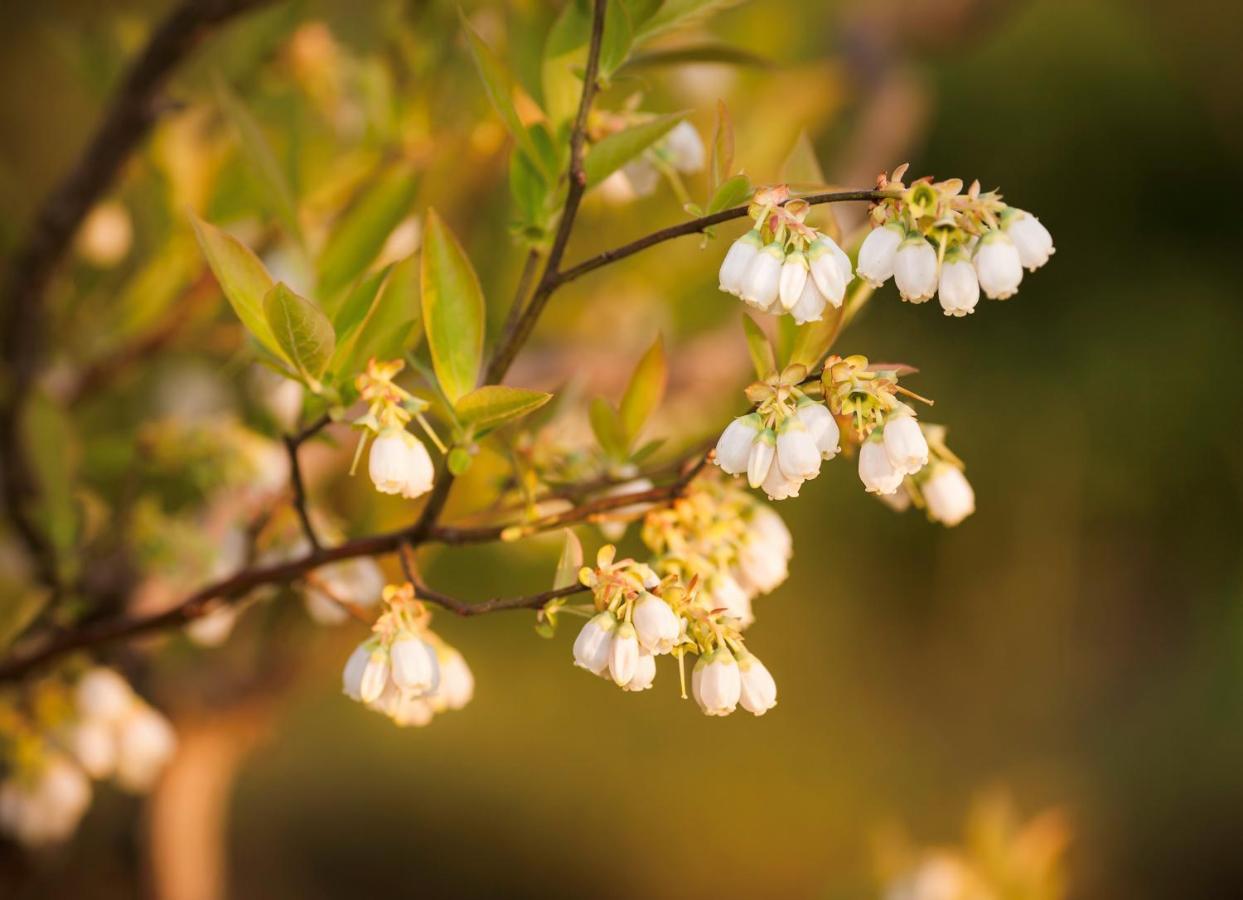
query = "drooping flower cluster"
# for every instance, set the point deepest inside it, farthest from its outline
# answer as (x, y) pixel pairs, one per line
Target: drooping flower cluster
(96, 728)
(932, 238)
(783, 265)
(398, 463)
(405, 670)
(715, 549)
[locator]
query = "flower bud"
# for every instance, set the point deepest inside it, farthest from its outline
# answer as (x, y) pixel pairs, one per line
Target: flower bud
(104, 695)
(876, 255)
(822, 427)
(797, 453)
(810, 305)
(145, 744)
(762, 280)
(733, 450)
(400, 464)
(915, 269)
(830, 269)
(716, 683)
(763, 451)
(656, 624)
(948, 495)
(876, 471)
(457, 682)
(905, 444)
(623, 654)
(998, 266)
(355, 668)
(758, 688)
(959, 288)
(1031, 238)
(592, 646)
(737, 260)
(793, 279)
(644, 673)
(413, 665)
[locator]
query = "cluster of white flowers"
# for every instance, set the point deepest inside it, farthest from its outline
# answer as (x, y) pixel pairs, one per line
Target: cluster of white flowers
(398, 463)
(783, 265)
(99, 729)
(934, 239)
(781, 443)
(405, 670)
(715, 549)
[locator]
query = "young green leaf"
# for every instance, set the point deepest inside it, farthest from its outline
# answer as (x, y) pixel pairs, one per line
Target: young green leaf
(758, 346)
(610, 153)
(607, 427)
(570, 562)
(303, 332)
(453, 309)
(499, 85)
(722, 162)
(271, 178)
(495, 404)
(732, 192)
(243, 279)
(565, 53)
(361, 232)
(645, 391)
(678, 13)
(617, 39)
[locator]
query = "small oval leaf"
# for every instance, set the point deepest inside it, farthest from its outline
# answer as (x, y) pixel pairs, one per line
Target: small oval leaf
(303, 332)
(496, 404)
(453, 309)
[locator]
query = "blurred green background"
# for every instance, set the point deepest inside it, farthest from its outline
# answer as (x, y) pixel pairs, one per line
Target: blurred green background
(1078, 641)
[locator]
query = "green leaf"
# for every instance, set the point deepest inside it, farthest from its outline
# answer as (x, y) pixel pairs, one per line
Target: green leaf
(645, 391)
(678, 13)
(565, 54)
(732, 192)
(453, 309)
(500, 85)
(758, 346)
(361, 232)
(609, 154)
(617, 39)
(304, 333)
(711, 52)
(391, 299)
(722, 162)
(242, 277)
(272, 181)
(570, 562)
(495, 404)
(458, 461)
(607, 427)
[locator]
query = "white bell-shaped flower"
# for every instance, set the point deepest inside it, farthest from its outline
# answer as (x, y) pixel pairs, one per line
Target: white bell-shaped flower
(760, 568)
(717, 683)
(1031, 239)
(905, 444)
(656, 624)
(728, 595)
(400, 464)
(779, 486)
(771, 530)
(758, 688)
(104, 695)
(915, 269)
(738, 259)
(733, 450)
(592, 646)
(797, 452)
(352, 674)
(685, 148)
(822, 427)
(876, 471)
(457, 682)
(830, 269)
(959, 288)
(145, 744)
(410, 710)
(47, 809)
(375, 675)
(762, 281)
(794, 276)
(810, 305)
(876, 255)
(998, 266)
(763, 453)
(93, 744)
(948, 495)
(623, 654)
(413, 666)
(644, 673)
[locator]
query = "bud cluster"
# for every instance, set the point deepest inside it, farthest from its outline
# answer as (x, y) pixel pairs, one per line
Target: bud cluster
(95, 728)
(399, 463)
(932, 238)
(405, 670)
(783, 265)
